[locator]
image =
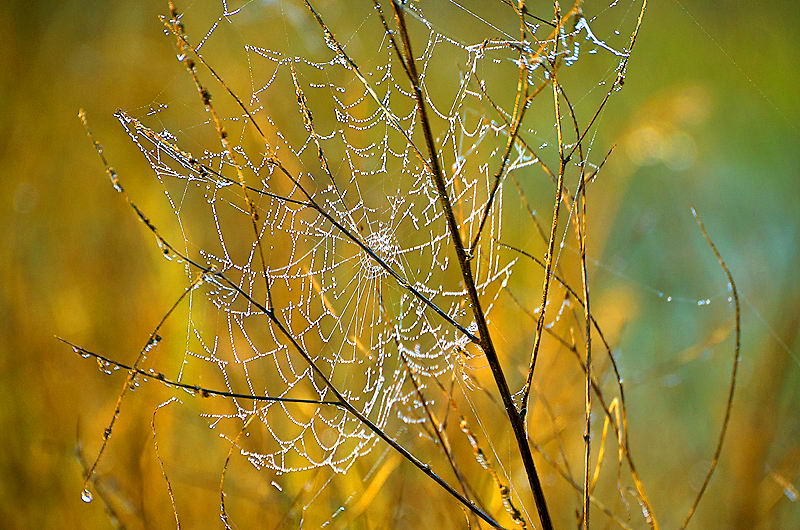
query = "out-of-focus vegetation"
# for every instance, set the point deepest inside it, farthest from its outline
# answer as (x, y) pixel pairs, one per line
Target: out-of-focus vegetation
(709, 117)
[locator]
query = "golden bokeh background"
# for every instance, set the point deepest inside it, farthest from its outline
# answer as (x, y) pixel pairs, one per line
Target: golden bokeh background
(708, 118)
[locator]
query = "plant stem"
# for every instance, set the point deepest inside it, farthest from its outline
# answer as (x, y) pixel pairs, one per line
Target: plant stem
(466, 273)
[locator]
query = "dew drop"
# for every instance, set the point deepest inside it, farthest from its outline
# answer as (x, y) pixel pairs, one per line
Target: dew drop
(112, 175)
(791, 494)
(152, 343)
(80, 352)
(104, 366)
(86, 496)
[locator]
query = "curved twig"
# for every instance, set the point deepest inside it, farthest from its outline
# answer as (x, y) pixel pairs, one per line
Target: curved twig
(734, 370)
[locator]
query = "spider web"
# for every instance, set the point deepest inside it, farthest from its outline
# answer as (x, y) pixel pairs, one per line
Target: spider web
(361, 325)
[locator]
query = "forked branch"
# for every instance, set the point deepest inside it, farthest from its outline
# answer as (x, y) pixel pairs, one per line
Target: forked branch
(209, 273)
(466, 273)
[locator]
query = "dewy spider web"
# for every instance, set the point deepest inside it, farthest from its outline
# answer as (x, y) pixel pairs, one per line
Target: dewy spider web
(340, 303)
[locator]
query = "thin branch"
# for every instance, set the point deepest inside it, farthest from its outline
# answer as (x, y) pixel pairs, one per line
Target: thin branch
(191, 162)
(582, 228)
(528, 13)
(619, 81)
(734, 370)
(502, 114)
(480, 456)
(276, 162)
(623, 436)
(464, 264)
(105, 498)
(162, 466)
(577, 487)
(351, 64)
(521, 101)
(222, 508)
(435, 426)
(208, 273)
(205, 97)
(581, 231)
(153, 338)
(193, 389)
(548, 270)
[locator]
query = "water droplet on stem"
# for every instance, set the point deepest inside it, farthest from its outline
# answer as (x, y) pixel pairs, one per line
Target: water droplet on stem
(86, 496)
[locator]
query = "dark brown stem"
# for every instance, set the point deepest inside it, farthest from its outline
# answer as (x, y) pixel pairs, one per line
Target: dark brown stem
(623, 435)
(193, 389)
(191, 162)
(466, 273)
(272, 315)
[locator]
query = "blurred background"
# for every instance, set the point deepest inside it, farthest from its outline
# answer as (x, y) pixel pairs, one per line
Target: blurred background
(708, 118)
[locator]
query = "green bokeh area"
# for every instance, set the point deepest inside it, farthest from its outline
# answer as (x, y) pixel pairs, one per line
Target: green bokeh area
(709, 118)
